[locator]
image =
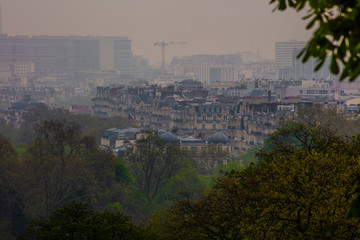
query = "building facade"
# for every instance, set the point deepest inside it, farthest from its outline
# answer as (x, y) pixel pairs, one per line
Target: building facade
(210, 73)
(23, 69)
(284, 52)
(290, 67)
(306, 71)
(60, 54)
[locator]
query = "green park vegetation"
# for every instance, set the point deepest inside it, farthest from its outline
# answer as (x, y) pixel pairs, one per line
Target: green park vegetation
(93, 126)
(300, 191)
(303, 184)
(56, 183)
(56, 164)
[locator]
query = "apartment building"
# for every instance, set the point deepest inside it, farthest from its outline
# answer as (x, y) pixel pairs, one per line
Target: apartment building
(246, 121)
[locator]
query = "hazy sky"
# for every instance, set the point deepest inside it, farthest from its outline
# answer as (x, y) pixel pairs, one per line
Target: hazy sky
(208, 26)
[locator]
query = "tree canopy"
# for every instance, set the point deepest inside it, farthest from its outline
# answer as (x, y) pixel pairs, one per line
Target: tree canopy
(153, 162)
(300, 190)
(337, 33)
(75, 221)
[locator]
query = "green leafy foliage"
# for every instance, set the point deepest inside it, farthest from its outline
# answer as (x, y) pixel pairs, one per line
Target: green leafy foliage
(300, 190)
(90, 125)
(186, 181)
(337, 33)
(153, 163)
(12, 218)
(76, 221)
(61, 166)
(330, 117)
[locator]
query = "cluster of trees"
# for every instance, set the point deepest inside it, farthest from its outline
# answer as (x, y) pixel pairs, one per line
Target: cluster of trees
(61, 165)
(90, 125)
(305, 184)
(300, 185)
(301, 189)
(77, 221)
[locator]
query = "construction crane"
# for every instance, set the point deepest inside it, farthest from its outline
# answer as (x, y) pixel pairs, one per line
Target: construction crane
(163, 45)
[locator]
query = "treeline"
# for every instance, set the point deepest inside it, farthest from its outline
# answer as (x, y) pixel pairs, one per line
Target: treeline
(61, 165)
(305, 187)
(302, 185)
(58, 167)
(90, 125)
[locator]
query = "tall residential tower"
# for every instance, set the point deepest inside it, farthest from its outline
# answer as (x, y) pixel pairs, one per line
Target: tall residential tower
(284, 57)
(289, 67)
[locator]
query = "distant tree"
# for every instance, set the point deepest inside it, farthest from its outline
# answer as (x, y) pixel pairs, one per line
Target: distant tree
(7, 131)
(186, 180)
(209, 159)
(337, 33)
(331, 117)
(152, 163)
(247, 158)
(90, 125)
(12, 217)
(301, 193)
(53, 169)
(62, 165)
(75, 221)
(293, 136)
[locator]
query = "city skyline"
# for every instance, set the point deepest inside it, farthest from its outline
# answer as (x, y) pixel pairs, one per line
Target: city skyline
(208, 26)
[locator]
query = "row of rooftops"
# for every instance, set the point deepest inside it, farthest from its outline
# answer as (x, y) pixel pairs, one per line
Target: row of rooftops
(130, 133)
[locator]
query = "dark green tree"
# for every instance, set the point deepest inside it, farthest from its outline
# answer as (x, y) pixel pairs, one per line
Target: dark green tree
(295, 192)
(76, 222)
(152, 163)
(331, 117)
(12, 218)
(53, 172)
(62, 165)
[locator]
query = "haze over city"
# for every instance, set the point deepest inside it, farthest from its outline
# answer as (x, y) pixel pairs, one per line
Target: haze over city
(179, 119)
(208, 26)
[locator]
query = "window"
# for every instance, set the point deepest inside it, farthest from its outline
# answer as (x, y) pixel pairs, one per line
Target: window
(214, 126)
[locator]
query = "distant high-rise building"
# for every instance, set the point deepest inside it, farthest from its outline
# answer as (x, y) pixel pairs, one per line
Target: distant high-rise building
(289, 67)
(305, 70)
(23, 69)
(284, 57)
(284, 52)
(210, 73)
(68, 53)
